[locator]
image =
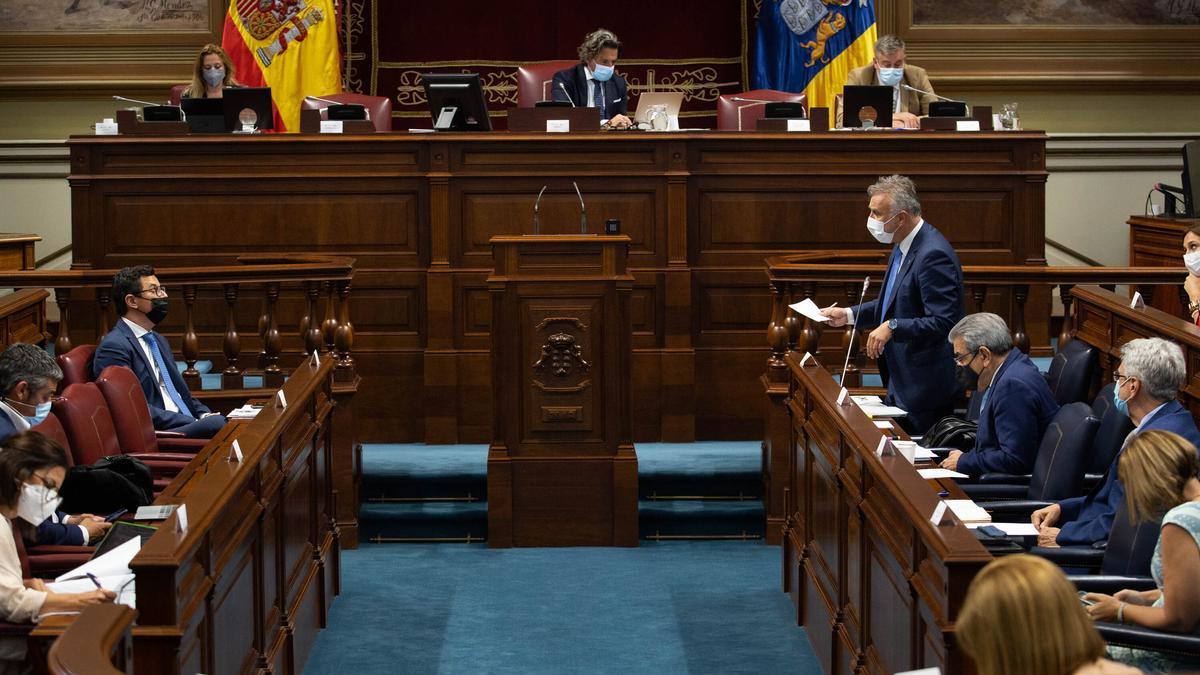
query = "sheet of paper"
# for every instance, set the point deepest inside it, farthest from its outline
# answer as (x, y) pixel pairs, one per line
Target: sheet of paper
(883, 411)
(924, 453)
(113, 563)
(1012, 529)
(940, 473)
(883, 424)
(808, 308)
(867, 400)
(115, 583)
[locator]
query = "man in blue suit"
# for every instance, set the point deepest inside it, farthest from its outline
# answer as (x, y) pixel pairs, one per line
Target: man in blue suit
(922, 299)
(1017, 403)
(142, 304)
(1148, 379)
(593, 82)
(28, 378)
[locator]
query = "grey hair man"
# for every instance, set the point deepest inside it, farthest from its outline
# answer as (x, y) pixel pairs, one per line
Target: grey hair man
(1017, 403)
(1151, 373)
(593, 82)
(890, 68)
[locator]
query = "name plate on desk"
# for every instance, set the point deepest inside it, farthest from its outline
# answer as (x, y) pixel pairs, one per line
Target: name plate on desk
(967, 125)
(798, 125)
(558, 126)
(107, 128)
(553, 120)
(332, 126)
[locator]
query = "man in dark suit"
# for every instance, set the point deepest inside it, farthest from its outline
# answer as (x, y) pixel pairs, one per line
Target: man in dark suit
(922, 299)
(142, 304)
(1017, 403)
(1148, 379)
(28, 378)
(593, 82)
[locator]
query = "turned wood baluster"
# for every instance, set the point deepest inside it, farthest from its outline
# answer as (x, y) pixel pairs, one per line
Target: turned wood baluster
(272, 342)
(978, 295)
(231, 377)
(853, 375)
(264, 323)
(310, 333)
(1020, 337)
(809, 339)
(1068, 324)
(191, 343)
(103, 300)
(329, 326)
(777, 334)
(345, 333)
(62, 298)
(793, 322)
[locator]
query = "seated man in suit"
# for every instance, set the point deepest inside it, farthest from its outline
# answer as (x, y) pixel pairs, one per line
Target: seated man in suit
(141, 303)
(1148, 379)
(28, 378)
(1017, 403)
(922, 298)
(593, 83)
(889, 69)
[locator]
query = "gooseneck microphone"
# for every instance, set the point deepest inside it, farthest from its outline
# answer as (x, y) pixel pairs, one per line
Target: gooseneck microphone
(854, 330)
(134, 100)
(930, 93)
(537, 225)
(567, 94)
(582, 210)
(323, 100)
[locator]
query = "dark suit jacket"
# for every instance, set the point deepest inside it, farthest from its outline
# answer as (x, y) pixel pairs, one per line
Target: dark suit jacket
(918, 363)
(48, 532)
(1088, 519)
(575, 81)
(121, 348)
(1013, 420)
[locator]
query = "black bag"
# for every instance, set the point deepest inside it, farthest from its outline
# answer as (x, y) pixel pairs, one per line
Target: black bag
(113, 483)
(951, 432)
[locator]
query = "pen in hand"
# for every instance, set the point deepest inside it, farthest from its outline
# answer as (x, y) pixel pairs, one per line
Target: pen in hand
(94, 580)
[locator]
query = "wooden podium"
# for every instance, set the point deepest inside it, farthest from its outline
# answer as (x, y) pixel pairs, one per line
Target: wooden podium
(561, 467)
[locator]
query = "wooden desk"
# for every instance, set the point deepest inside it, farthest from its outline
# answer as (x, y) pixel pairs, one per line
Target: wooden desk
(416, 211)
(876, 585)
(1158, 242)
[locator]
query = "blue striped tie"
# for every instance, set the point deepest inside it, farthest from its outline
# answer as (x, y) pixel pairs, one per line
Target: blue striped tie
(166, 375)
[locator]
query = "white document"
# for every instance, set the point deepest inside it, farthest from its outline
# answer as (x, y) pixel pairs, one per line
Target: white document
(558, 126)
(246, 412)
(923, 671)
(924, 453)
(968, 511)
(967, 125)
(331, 126)
(107, 128)
(113, 563)
(865, 400)
(798, 125)
(884, 425)
(121, 584)
(808, 308)
(1012, 529)
(940, 473)
(883, 411)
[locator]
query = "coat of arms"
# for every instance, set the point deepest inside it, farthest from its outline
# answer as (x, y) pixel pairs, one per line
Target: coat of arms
(282, 21)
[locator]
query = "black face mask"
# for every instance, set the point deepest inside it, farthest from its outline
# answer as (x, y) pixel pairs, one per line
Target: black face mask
(967, 378)
(158, 310)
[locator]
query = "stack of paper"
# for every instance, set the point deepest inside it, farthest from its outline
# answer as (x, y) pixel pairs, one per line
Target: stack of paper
(880, 410)
(110, 570)
(246, 412)
(867, 400)
(939, 473)
(968, 511)
(1012, 529)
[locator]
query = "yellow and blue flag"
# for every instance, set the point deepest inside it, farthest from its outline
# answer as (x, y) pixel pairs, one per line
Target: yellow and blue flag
(811, 46)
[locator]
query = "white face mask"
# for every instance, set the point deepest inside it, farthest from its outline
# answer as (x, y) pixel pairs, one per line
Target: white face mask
(1192, 260)
(876, 228)
(37, 503)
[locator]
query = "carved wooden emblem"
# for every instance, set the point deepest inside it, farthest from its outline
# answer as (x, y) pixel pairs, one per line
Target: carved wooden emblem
(561, 354)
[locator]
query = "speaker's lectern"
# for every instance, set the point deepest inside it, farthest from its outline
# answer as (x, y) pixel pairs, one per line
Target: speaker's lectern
(561, 467)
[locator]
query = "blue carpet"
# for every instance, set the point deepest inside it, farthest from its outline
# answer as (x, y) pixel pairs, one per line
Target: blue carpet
(679, 607)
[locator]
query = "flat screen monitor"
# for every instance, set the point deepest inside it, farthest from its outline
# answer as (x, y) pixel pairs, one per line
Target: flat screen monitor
(204, 115)
(1189, 186)
(456, 101)
(255, 99)
(857, 97)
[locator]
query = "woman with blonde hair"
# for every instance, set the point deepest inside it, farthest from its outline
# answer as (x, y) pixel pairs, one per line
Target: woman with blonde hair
(212, 73)
(1159, 472)
(1022, 616)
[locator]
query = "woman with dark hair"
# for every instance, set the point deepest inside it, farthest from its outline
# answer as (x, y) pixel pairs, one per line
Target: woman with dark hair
(1191, 259)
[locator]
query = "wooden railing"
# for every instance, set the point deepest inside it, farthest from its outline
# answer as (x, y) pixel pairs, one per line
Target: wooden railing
(96, 643)
(303, 278)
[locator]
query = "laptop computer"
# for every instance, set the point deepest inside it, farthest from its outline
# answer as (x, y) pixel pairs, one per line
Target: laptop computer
(120, 533)
(204, 115)
(857, 97)
(673, 101)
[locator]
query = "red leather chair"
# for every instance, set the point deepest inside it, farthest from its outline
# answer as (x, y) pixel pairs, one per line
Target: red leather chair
(177, 93)
(76, 365)
(89, 425)
(534, 81)
(131, 417)
(735, 115)
(52, 560)
(380, 107)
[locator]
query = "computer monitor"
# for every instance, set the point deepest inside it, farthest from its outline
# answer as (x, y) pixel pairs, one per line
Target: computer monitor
(857, 97)
(456, 101)
(1189, 189)
(204, 115)
(257, 99)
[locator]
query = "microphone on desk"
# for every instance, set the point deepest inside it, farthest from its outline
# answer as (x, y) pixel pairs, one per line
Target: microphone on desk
(134, 100)
(854, 330)
(582, 210)
(323, 100)
(567, 94)
(751, 101)
(536, 225)
(930, 93)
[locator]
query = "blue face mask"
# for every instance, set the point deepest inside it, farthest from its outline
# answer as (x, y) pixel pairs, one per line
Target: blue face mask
(602, 73)
(1121, 405)
(891, 76)
(41, 410)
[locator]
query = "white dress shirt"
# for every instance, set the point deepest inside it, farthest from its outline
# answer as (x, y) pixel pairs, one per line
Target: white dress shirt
(138, 332)
(904, 246)
(22, 424)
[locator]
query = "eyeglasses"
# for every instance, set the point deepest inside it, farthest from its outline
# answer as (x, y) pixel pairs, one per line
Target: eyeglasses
(1117, 377)
(156, 291)
(965, 359)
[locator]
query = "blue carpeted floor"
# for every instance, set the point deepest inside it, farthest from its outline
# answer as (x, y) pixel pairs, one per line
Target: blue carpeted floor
(678, 607)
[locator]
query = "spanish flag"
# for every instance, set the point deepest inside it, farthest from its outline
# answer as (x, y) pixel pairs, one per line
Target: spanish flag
(811, 46)
(290, 46)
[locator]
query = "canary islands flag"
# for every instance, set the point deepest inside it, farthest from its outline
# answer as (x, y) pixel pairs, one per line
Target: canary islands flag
(290, 46)
(811, 46)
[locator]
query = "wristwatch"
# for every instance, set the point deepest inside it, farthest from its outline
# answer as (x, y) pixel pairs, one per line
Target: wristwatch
(892, 325)
(1193, 307)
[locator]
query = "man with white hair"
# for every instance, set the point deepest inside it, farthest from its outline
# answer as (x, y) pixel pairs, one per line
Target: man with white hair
(1148, 379)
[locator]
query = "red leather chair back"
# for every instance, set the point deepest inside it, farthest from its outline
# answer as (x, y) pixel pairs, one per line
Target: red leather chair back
(380, 107)
(733, 115)
(76, 365)
(177, 93)
(53, 429)
(89, 426)
(534, 81)
(129, 410)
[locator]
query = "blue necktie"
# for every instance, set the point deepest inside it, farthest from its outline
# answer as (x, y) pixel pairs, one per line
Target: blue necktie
(892, 273)
(598, 97)
(166, 375)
